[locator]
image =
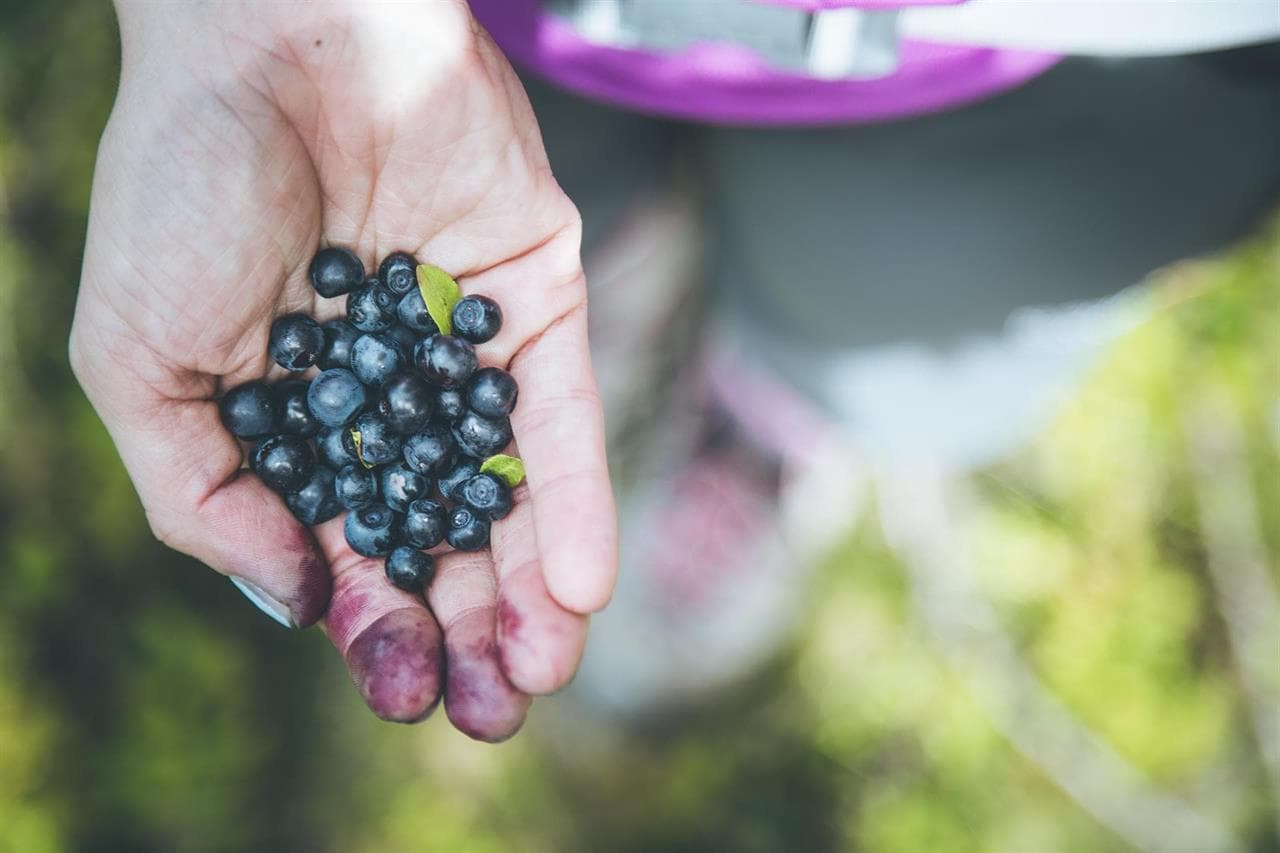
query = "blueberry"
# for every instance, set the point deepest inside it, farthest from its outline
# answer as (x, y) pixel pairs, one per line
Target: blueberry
(335, 397)
(450, 482)
(445, 361)
(371, 307)
(332, 449)
(248, 410)
(424, 524)
(401, 485)
(492, 392)
(476, 318)
(467, 530)
(405, 340)
(335, 271)
(379, 444)
(283, 462)
(294, 416)
(430, 450)
(372, 530)
(407, 403)
(374, 359)
(295, 341)
(399, 273)
(412, 312)
(451, 404)
(339, 335)
(410, 569)
(315, 503)
(488, 496)
(482, 437)
(355, 485)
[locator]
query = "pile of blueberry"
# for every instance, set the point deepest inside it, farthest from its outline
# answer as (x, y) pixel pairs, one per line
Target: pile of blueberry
(398, 423)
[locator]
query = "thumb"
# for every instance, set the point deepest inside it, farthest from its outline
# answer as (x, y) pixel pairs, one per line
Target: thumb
(198, 500)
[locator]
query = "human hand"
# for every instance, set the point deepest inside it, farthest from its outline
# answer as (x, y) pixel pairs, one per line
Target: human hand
(246, 135)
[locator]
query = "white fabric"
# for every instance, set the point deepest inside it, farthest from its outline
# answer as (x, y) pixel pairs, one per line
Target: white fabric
(974, 404)
(1098, 27)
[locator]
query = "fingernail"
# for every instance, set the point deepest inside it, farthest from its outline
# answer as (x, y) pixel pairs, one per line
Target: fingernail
(268, 605)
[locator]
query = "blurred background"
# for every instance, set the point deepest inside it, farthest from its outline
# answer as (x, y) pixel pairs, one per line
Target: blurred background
(1077, 653)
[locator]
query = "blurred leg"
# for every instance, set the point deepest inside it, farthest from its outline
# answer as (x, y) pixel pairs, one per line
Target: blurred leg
(708, 586)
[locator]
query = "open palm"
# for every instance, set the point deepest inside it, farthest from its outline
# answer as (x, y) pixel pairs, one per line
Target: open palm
(398, 129)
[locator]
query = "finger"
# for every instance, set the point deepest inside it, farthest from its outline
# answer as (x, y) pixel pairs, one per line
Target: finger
(559, 426)
(198, 500)
(539, 641)
(389, 640)
(478, 698)
(559, 421)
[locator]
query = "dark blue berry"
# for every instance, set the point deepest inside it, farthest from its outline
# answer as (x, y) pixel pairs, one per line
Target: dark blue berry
(405, 340)
(335, 271)
(407, 403)
(296, 341)
(332, 449)
(424, 524)
(339, 335)
(372, 531)
(492, 392)
(450, 482)
(374, 359)
(399, 273)
(379, 443)
(445, 361)
(283, 462)
(401, 485)
(293, 415)
(467, 530)
(249, 410)
(482, 437)
(315, 503)
(451, 404)
(335, 397)
(488, 496)
(476, 318)
(355, 485)
(371, 307)
(412, 312)
(410, 569)
(429, 451)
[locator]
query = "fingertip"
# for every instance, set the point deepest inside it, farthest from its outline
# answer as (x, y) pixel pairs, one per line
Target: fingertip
(397, 666)
(539, 644)
(580, 560)
(577, 590)
(479, 699)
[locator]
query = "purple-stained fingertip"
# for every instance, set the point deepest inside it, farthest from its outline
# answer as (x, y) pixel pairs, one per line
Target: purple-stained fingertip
(398, 666)
(480, 701)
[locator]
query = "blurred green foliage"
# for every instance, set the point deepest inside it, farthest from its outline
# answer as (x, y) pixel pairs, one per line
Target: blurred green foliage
(144, 706)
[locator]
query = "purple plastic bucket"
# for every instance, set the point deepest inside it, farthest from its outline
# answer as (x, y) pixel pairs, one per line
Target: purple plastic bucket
(728, 84)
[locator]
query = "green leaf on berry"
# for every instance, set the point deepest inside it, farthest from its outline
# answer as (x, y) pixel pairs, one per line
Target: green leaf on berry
(440, 293)
(509, 469)
(358, 442)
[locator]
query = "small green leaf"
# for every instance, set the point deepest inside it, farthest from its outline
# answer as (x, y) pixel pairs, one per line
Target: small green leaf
(507, 468)
(440, 293)
(358, 442)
